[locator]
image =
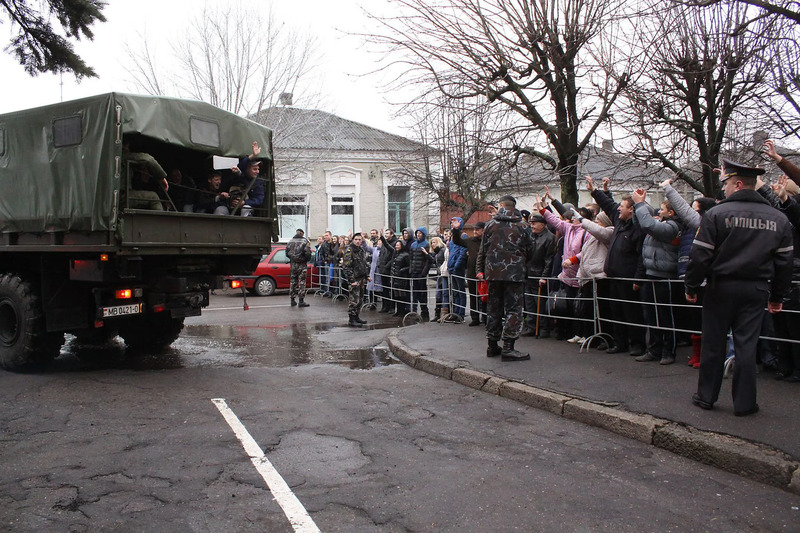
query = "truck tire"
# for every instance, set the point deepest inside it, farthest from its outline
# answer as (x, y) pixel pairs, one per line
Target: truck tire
(154, 331)
(24, 339)
(264, 286)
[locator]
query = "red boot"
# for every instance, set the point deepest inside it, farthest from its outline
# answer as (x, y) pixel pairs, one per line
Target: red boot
(694, 360)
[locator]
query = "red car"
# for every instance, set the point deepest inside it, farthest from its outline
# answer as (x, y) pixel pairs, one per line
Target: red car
(273, 273)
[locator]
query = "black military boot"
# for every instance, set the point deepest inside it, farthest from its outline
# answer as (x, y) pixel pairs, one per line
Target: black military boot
(425, 314)
(302, 303)
(292, 302)
(493, 349)
(437, 313)
(358, 319)
(354, 323)
(510, 354)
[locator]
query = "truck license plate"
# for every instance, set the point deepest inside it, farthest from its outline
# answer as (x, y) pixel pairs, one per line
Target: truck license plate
(121, 310)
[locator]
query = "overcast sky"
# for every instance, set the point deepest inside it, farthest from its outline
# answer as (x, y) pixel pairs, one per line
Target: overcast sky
(347, 94)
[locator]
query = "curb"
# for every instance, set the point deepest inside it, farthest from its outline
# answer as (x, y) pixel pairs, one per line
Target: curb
(750, 460)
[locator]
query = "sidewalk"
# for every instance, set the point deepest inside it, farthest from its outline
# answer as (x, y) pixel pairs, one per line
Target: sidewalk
(622, 387)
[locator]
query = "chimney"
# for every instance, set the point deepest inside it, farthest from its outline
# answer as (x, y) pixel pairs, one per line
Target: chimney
(608, 145)
(285, 99)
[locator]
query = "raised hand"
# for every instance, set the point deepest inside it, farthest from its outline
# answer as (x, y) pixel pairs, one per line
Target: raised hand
(589, 183)
(606, 183)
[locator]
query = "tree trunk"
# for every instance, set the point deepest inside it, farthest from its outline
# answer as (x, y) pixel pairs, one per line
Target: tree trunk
(568, 175)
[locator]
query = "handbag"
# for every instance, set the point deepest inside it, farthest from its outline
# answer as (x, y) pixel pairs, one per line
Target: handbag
(483, 290)
(558, 304)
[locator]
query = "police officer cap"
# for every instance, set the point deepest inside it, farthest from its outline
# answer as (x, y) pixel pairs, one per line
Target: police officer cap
(525, 214)
(508, 198)
(537, 218)
(480, 225)
(732, 168)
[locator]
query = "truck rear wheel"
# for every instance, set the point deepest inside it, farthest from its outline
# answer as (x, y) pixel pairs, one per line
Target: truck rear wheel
(24, 338)
(157, 330)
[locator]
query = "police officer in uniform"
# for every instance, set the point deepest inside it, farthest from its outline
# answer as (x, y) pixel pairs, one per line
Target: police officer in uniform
(506, 249)
(744, 250)
(298, 250)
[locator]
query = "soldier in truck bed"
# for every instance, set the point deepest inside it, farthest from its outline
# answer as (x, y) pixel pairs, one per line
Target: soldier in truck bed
(147, 183)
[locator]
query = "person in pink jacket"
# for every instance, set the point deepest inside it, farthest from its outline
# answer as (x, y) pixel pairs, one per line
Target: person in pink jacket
(574, 237)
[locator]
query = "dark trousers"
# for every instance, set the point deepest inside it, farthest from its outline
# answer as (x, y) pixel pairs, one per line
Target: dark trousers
(475, 303)
(401, 294)
(419, 295)
(738, 306)
(505, 301)
(787, 326)
(659, 296)
(628, 311)
(458, 287)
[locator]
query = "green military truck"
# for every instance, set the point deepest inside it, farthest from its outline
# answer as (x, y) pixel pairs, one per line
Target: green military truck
(79, 256)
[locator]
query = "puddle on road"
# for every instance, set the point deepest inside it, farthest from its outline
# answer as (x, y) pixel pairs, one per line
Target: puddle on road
(270, 346)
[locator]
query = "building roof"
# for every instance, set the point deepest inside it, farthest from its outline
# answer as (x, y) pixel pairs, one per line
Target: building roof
(311, 129)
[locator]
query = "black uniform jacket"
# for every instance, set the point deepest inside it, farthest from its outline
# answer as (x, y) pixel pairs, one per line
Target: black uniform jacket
(743, 238)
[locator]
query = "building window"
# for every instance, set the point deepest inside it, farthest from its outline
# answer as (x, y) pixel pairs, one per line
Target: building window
(67, 131)
(399, 208)
(292, 215)
(342, 214)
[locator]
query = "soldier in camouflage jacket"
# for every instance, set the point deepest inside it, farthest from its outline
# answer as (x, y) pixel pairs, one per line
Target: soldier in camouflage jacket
(505, 251)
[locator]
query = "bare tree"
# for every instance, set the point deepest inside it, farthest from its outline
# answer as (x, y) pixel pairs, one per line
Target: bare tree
(701, 81)
(784, 57)
(229, 56)
(461, 165)
(538, 59)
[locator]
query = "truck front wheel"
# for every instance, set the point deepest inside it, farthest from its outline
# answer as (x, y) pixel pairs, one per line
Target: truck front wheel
(154, 331)
(24, 338)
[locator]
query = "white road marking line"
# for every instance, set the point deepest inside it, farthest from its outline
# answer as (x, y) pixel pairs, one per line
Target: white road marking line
(292, 508)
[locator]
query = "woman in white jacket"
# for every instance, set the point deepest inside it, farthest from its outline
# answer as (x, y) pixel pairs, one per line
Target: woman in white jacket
(590, 269)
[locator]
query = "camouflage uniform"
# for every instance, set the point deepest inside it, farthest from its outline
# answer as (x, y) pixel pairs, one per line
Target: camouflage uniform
(506, 249)
(298, 250)
(355, 270)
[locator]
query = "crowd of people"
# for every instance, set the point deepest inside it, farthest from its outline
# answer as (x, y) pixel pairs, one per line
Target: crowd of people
(620, 267)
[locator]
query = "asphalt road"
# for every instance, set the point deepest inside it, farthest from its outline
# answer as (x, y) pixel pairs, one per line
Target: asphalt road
(107, 440)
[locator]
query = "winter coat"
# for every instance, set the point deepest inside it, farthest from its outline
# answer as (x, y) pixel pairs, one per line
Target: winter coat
(541, 263)
(373, 254)
(355, 267)
(400, 266)
(574, 238)
(661, 245)
(457, 259)
(690, 219)
(506, 248)
(298, 250)
(594, 251)
(421, 261)
(626, 242)
(441, 255)
(473, 245)
(386, 255)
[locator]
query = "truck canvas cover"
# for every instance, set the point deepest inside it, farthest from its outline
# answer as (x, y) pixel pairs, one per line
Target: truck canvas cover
(60, 164)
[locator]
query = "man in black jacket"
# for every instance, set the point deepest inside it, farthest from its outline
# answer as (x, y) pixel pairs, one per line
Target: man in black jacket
(624, 251)
(539, 268)
(744, 250)
(385, 268)
(472, 244)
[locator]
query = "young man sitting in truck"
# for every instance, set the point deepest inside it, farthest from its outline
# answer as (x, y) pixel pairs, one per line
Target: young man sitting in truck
(247, 172)
(211, 196)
